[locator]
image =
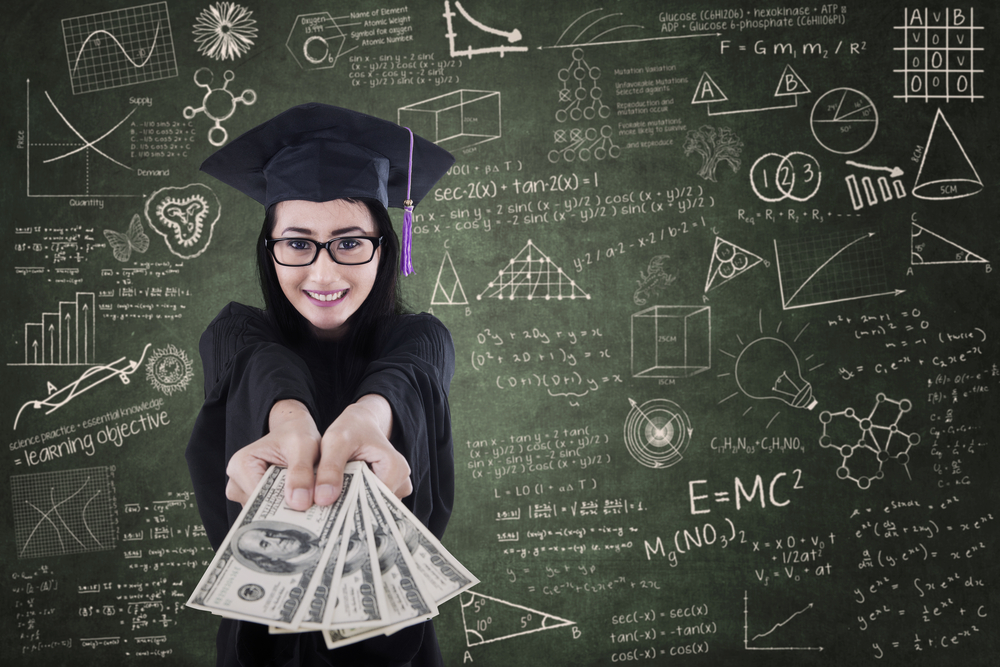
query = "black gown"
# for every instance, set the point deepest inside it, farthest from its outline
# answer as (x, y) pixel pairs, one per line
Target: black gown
(246, 371)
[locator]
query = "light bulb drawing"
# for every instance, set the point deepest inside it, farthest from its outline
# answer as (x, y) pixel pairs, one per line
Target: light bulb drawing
(768, 368)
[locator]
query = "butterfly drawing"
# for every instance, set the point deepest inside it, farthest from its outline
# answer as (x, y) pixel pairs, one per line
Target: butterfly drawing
(122, 245)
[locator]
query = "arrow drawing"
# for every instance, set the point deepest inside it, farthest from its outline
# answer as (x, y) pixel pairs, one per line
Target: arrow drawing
(747, 640)
(512, 36)
(58, 398)
(858, 272)
(661, 431)
(895, 172)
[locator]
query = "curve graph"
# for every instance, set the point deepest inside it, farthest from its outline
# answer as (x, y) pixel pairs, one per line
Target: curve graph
(831, 268)
(65, 512)
(117, 48)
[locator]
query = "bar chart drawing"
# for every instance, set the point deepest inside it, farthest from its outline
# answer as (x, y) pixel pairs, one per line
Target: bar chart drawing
(64, 337)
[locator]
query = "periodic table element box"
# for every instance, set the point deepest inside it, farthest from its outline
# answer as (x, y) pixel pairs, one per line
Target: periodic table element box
(455, 120)
(671, 341)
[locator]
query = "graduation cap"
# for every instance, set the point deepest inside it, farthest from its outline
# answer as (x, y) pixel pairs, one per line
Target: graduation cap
(317, 152)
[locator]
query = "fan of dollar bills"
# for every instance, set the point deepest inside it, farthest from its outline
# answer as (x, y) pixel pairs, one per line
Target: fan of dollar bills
(316, 570)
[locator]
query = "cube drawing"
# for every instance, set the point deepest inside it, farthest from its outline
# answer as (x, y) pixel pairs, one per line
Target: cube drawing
(455, 120)
(671, 341)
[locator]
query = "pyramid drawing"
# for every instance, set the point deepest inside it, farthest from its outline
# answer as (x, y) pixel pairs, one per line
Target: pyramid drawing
(945, 169)
(707, 91)
(488, 619)
(728, 261)
(532, 275)
(791, 83)
(448, 288)
(926, 247)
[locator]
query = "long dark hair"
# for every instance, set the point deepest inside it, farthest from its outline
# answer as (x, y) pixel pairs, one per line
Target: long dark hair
(369, 326)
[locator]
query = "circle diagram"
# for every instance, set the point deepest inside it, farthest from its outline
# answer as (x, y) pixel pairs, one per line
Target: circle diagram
(844, 121)
(794, 176)
(657, 433)
(169, 370)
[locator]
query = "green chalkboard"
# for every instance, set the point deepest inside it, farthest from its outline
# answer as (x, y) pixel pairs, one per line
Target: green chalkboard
(720, 281)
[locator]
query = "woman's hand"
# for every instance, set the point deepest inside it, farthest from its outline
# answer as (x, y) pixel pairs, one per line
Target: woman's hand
(360, 433)
(293, 442)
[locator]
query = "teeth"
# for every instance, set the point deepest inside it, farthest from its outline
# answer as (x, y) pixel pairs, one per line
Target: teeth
(326, 297)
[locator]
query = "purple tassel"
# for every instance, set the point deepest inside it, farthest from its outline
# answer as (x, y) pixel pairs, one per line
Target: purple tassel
(406, 259)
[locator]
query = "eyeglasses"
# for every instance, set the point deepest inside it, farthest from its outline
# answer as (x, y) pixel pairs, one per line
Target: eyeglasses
(347, 250)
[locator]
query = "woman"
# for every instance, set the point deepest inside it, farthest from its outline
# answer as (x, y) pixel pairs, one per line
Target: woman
(332, 370)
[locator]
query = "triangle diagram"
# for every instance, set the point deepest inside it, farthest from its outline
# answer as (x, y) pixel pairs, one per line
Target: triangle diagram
(791, 84)
(945, 169)
(448, 288)
(532, 275)
(707, 91)
(926, 247)
(728, 261)
(488, 619)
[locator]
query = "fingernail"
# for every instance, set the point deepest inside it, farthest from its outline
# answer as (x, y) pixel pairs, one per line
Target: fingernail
(300, 497)
(324, 494)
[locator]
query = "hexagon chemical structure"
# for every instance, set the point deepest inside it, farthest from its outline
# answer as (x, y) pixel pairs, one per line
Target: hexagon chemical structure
(218, 104)
(316, 41)
(867, 443)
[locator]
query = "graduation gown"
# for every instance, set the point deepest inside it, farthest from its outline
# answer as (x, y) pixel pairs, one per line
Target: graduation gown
(247, 370)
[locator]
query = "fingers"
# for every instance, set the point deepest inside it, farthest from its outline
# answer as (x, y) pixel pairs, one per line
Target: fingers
(394, 471)
(335, 452)
(295, 434)
(360, 434)
(235, 493)
(293, 442)
(245, 469)
(299, 479)
(316, 464)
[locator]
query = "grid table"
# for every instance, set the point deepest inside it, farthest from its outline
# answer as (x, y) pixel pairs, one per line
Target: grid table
(939, 54)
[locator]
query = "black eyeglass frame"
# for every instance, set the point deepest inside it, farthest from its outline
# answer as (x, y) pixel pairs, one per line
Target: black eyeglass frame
(375, 240)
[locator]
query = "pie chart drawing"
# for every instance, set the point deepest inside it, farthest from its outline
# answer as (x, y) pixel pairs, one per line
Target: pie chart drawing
(844, 121)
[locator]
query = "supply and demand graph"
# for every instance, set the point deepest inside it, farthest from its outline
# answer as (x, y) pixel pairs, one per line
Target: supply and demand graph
(119, 48)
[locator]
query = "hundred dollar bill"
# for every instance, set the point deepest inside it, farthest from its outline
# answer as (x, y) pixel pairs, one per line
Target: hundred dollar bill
(404, 596)
(319, 594)
(358, 596)
(325, 580)
(406, 602)
(440, 572)
(264, 567)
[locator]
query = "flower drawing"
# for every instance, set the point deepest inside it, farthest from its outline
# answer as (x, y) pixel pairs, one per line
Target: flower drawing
(224, 31)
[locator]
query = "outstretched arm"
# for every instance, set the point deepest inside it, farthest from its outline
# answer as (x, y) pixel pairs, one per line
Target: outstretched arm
(316, 463)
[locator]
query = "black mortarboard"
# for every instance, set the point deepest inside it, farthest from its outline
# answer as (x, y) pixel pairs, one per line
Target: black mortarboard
(319, 152)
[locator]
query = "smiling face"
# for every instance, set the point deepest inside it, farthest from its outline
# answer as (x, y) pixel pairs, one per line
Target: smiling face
(325, 293)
